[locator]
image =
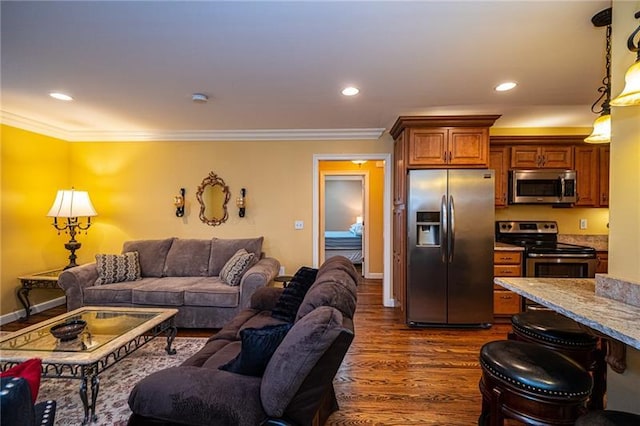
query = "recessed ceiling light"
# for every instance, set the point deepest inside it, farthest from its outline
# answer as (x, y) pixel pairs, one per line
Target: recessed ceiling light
(60, 96)
(503, 87)
(350, 91)
(199, 98)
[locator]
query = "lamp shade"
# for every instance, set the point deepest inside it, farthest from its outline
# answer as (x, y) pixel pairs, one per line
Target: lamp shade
(631, 93)
(601, 130)
(72, 203)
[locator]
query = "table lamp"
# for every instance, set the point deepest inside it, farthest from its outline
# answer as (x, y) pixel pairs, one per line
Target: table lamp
(72, 205)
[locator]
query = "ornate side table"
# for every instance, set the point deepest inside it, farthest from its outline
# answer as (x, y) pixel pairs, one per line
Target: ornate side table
(46, 279)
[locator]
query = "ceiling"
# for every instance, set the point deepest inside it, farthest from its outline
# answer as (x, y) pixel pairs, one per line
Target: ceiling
(272, 69)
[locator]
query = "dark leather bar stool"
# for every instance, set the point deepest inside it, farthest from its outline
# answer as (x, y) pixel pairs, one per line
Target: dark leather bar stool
(564, 335)
(531, 384)
(609, 418)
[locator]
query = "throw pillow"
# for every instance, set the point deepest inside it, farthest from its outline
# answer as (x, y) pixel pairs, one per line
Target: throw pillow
(115, 268)
(292, 296)
(29, 370)
(234, 269)
(258, 345)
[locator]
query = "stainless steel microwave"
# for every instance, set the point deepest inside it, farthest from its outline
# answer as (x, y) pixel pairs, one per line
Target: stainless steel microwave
(542, 186)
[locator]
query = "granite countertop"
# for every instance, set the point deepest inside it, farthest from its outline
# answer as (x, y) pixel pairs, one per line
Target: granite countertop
(598, 242)
(507, 247)
(576, 299)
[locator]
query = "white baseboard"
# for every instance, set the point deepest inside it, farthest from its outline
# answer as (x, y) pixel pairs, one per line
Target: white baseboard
(374, 275)
(40, 307)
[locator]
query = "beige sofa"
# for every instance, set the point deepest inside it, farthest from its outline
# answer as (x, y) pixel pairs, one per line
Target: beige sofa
(177, 273)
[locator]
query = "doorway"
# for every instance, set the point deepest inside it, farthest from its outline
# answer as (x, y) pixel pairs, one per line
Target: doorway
(344, 213)
(382, 235)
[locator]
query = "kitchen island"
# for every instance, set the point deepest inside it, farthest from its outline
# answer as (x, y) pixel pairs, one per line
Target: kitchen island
(576, 299)
(616, 321)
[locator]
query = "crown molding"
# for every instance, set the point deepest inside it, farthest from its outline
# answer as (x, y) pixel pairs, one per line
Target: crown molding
(188, 135)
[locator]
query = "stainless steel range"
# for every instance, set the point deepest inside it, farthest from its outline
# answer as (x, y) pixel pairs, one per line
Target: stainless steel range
(544, 256)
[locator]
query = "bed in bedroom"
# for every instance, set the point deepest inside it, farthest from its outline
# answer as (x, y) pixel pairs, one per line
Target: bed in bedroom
(344, 243)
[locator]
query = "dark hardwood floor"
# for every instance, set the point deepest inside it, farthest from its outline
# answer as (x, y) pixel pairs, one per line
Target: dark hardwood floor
(393, 374)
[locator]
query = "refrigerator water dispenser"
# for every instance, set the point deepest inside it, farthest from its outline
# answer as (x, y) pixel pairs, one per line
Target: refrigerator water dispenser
(428, 224)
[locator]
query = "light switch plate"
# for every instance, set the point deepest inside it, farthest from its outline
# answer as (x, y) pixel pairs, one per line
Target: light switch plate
(298, 224)
(583, 223)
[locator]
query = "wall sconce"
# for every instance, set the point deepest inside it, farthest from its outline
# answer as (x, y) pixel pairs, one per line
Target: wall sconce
(240, 202)
(72, 205)
(178, 201)
(631, 93)
(602, 125)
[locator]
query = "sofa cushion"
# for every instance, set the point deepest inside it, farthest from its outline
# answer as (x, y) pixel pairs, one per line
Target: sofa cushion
(340, 263)
(223, 249)
(188, 258)
(299, 351)
(292, 296)
(114, 294)
(232, 271)
(258, 345)
(211, 291)
(116, 268)
(333, 288)
(167, 291)
(198, 396)
(151, 254)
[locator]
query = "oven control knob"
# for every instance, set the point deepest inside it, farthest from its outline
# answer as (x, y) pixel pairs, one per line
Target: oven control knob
(552, 226)
(546, 226)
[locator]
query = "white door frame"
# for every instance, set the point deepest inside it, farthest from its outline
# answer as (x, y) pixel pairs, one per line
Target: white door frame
(364, 178)
(387, 295)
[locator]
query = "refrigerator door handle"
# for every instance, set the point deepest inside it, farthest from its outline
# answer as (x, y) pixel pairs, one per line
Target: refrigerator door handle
(452, 229)
(444, 220)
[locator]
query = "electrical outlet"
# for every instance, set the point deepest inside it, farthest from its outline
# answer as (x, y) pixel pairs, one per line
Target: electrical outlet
(298, 224)
(583, 223)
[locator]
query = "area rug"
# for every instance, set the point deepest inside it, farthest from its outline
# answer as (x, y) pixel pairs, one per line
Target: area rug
(116, 383)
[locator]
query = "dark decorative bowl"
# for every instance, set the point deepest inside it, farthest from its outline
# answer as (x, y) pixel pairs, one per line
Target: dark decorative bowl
(68, 330)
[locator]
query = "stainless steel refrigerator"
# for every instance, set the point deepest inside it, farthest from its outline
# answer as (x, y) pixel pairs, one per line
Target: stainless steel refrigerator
(450, 225)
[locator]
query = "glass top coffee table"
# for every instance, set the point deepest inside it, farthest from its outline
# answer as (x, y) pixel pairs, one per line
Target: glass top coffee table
(110, 335)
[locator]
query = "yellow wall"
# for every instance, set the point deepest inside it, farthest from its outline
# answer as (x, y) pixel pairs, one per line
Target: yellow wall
(376, 193)
(34, 167)
(133, 184)
(624, 238)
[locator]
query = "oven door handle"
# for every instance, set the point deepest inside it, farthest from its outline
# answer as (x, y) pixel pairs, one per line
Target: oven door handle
(564, 256)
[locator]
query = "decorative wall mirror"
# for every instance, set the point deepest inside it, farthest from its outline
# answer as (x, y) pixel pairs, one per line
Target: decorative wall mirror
(213, 196)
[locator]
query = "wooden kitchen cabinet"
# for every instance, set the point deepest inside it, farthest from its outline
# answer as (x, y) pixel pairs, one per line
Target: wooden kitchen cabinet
(542, 157)
(446, 146)
(603, 176)
(399, 172)
(444, 141)
(499, 162)
(506, 263)
(399, 285)
(602, 267)
(592, 167)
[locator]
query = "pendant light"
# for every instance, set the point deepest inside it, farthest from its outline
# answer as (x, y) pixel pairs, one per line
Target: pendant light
(631, 93)
(602, 126)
